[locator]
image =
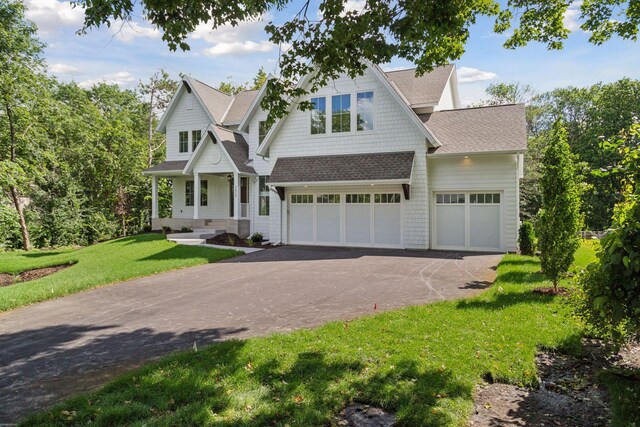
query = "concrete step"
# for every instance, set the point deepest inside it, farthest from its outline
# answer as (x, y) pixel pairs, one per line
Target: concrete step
(203, 233)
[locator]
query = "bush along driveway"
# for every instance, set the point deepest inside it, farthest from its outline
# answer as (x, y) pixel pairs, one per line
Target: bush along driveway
(97, 265)
(422, 362)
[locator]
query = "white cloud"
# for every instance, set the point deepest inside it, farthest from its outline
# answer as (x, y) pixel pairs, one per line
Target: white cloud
(50, 15)
(470, 75)
(244, 38)
(63, 69)
(571, 16)
(121, 78)
(240, 48)
(126, 31)
(356, 6)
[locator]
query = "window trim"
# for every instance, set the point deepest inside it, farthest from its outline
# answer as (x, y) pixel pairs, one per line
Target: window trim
(326, 121)
(261, 195)
(350, 115)
(260, 122)
(204, 191)
(187, 202)
(194, 142)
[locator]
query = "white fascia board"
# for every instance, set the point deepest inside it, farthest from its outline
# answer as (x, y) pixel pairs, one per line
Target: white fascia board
(338, 183)
(453, 78)
(266, 142)
(162, 124)
(476, 153)
(188, 169)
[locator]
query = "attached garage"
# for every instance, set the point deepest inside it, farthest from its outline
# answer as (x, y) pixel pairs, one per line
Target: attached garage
(346, 218)
(468, 220)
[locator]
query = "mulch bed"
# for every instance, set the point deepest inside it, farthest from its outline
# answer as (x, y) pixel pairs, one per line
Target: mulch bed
(224, 239)
(27, 276)
(550, 291)
(570, 393)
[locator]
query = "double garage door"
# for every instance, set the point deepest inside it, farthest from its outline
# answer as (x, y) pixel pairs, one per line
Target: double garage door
(346, 219)
(468, 221)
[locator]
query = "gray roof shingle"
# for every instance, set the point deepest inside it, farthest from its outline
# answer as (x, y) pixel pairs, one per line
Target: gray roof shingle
(349, 167)
(241, 103)
(215, 101)
(499, 128)
(236, 147)
(426, 89)
(168, 166)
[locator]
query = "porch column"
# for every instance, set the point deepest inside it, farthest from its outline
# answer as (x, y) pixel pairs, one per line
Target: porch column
(154, 197)
(236, 195)
(196, 194)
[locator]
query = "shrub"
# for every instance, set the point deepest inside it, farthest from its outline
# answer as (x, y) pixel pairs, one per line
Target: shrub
(256, 237)
(186, 230)
(166, 230)
(231, 241)
(526, 239)
(146, 228)
(559, 219)
(249, 242)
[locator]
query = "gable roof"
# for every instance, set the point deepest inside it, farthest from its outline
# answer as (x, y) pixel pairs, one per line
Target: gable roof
(239, 106)
(214, 101)
(233, 145)
(495, 129)
(396, 166)
(167, 166)
(426, 89)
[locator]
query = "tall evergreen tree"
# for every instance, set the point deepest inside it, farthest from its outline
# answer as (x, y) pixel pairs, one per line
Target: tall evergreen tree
(559, 220)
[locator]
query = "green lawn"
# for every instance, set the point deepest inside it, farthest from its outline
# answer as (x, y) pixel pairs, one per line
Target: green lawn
(98, 265)
(422, 362)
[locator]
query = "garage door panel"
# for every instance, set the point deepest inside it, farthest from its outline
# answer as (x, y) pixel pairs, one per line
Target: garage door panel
(328, 229)
(387, 224)
(450, 225)
(484, 226)
(358, 223)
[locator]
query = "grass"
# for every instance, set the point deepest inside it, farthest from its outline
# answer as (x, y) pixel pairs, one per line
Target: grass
(421, 362)
(97, 265)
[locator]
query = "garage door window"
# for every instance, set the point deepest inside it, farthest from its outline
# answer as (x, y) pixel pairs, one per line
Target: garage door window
(450, 199)
(328, 198)
(484, 198)
(301, 198)
(387, 198)
(358, 198)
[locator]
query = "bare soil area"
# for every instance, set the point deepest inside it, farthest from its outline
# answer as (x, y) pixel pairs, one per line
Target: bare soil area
(231, 239)
(26, 276)
(569, 392)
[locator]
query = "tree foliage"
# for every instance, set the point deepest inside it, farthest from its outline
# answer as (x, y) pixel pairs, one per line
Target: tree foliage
(559, 219)
(526, 239)
(610, 288)
(335, 38)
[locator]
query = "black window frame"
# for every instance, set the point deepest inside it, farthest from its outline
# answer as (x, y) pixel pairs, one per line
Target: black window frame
(189, 193)
(196, 136)
(183, 145)
(263, 196)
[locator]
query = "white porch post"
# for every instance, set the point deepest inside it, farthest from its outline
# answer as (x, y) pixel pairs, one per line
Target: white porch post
(236, 195)
(154, 197)
(196, 195)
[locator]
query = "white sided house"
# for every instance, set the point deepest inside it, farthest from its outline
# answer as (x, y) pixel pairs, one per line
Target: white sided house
(385, 160)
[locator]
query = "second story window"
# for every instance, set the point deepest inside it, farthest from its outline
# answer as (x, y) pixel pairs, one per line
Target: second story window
(365, 111)
(341, 113)
(195, 138)
(183, 141)
(319, 116)
(263, 130)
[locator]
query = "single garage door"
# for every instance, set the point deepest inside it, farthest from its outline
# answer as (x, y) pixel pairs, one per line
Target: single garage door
(468, 221)
(346, 219)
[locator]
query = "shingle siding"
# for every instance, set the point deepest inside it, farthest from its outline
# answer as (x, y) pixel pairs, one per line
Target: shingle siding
(184, 119)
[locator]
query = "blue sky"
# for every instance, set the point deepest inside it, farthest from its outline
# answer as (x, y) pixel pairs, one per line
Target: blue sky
(127, 53)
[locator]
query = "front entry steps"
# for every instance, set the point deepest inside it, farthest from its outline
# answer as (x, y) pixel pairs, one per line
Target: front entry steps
(195, 237)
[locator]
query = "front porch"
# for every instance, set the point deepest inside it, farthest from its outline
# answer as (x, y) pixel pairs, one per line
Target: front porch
(218, 202)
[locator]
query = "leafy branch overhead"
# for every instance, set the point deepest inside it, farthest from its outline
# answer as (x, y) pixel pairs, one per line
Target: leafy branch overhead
(337, 39)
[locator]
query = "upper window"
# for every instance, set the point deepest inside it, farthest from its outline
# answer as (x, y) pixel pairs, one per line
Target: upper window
(365, 111)
(263, 130)
(341, 113)
(188, 193)
(204, 192)
(319, 116)
(263, 193)
(196, 135)
(183, 141)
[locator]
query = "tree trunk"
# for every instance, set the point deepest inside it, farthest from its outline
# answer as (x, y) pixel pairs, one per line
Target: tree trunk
(15, 196)
(26, 241)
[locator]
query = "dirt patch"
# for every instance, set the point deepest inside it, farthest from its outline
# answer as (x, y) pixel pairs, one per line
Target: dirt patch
(27, 276)
(552, 291)
(364, 416)
(231, 239)
(569, 395)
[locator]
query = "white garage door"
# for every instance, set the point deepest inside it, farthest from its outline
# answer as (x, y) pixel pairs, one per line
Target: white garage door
(346, 219)
(468, 221)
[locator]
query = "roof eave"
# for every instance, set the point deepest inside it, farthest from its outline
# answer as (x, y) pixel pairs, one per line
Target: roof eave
(347, 182)
(476, 153)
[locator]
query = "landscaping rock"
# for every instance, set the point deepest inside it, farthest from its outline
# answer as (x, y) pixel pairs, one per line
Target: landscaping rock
(365, 416)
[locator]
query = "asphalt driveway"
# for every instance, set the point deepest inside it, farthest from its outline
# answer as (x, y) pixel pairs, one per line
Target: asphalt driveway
(61, 347)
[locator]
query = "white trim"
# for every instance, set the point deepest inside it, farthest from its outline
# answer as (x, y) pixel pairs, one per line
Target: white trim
(188, 168)
(333, 183)
(244, 122)
(475, 153)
